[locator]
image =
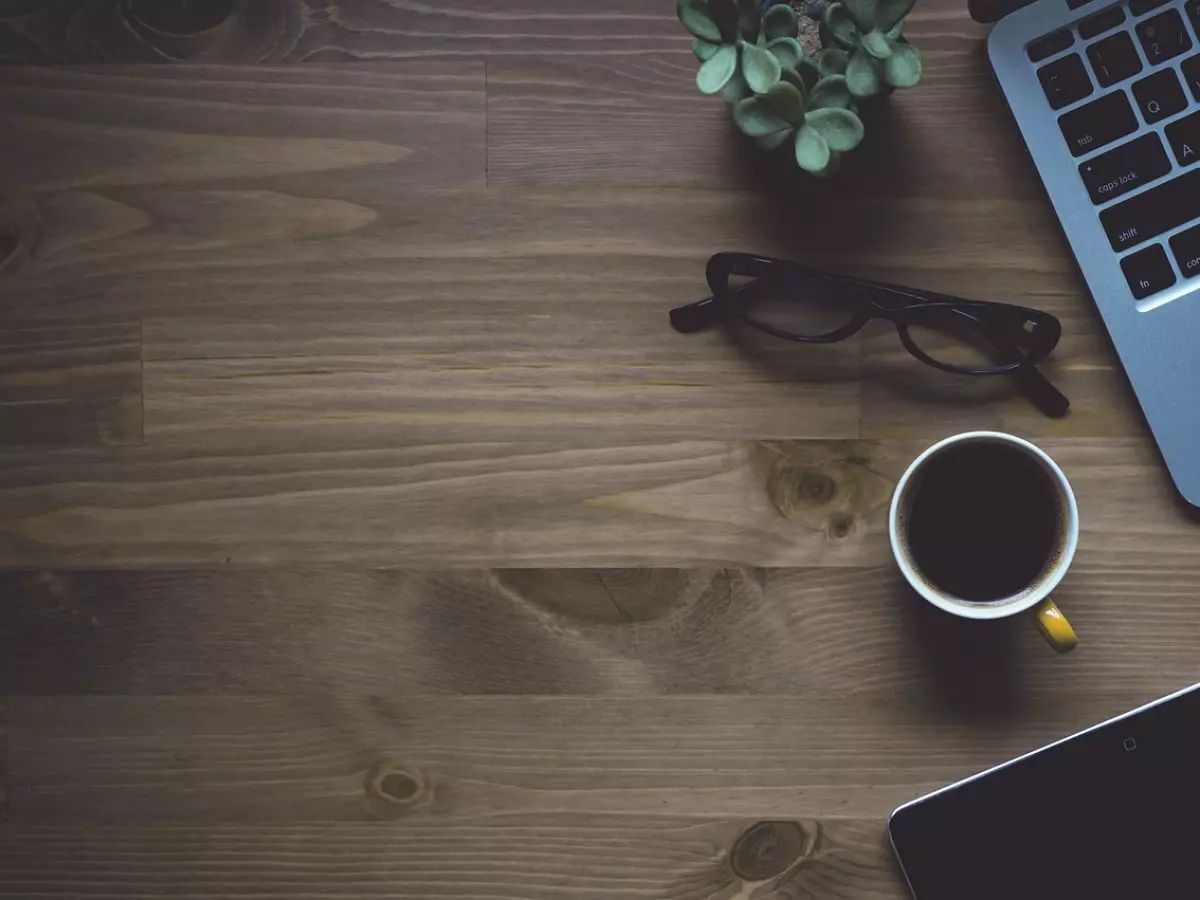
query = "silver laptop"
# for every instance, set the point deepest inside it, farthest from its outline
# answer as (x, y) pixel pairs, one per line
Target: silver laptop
(1107, 97)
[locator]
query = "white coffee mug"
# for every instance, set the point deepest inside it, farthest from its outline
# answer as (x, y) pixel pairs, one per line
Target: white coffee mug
(1036, 595)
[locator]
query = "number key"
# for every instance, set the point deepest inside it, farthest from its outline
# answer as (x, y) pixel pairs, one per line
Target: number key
(1065, 81)
(1191, 74)
(1114, 59)
(1163, 37)
(1192, 8)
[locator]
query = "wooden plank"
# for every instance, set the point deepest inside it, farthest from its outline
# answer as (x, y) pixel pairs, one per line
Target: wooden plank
(70, 385)
(587, 632)
(549, 857)
(113, 127)
(639, 120)
(252, 31)
(328, 757)
(902, 398)
(801, 503)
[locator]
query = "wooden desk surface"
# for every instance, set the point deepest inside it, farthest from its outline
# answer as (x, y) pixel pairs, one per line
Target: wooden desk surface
(366, 531)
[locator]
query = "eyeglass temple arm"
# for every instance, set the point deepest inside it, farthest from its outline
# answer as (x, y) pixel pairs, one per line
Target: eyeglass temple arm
(1044, 395)
(711, 311)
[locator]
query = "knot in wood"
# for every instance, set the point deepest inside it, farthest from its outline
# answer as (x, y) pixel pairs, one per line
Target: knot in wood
(766, 849)
(816, 488)
(387, 781)
(841, 525)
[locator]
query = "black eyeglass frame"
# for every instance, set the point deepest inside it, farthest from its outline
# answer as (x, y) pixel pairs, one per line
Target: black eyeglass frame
(1005, 327)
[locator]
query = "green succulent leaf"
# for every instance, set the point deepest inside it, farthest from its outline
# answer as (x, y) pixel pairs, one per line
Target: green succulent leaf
(830, 93)
(832, 61)
(808, 72)
(715, 74)
(890, 13)
(760, 68)
(725, 14)
(694, 16)
(750, 18)
(861, 75)
(862, 12)
(771, 141)
(903, 69)
(787, 50)
(812, 152)
(703, 50)
(736, 89)
(841, 26)
(876, 43)
(796, 80)
(895, 31)
(780, 21)
(841, 129)
(787, 102)
(755, 118)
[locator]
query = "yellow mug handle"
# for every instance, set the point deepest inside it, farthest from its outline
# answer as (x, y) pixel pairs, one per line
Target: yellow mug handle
(1054, 626)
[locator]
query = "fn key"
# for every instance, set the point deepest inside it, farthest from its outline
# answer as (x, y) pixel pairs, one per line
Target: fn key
(1148, 271)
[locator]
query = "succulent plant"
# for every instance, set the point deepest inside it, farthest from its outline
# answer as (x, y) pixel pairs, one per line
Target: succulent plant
(744, 48)
(864, 42)
(750, 55)
(752, 58)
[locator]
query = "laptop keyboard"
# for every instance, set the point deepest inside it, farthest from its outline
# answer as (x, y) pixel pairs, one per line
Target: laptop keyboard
(1114, 83)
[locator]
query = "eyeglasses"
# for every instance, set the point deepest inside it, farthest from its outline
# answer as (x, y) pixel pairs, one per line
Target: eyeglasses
(796, 303)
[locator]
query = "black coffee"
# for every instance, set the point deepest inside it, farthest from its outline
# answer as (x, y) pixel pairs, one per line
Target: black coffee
(983, 521)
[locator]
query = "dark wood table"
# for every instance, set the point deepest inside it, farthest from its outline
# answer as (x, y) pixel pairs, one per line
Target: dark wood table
(366, 531)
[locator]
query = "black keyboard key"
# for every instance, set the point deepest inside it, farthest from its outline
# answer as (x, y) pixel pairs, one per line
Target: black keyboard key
(1124, 168)
(1192, 8)
(1164, 37)
(1054, 42)
(1159, 96)
(1141, 7)
(1114, 59)
(1191, 74)
(1150, 213)
(1065, 81)
(1098, 123)
(1075, 4)
(1148, 271)
(1186, 247)
(1102, 22)
(1184, 138)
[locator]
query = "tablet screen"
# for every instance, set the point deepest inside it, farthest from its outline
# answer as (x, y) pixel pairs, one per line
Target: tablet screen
(1113, 812)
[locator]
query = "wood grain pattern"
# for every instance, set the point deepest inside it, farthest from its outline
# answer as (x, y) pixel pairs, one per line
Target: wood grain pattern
(515, 858)
(71, 385)
(774, 503)
(404, 306)
(321, 758)
(257, 31)
(588, 632)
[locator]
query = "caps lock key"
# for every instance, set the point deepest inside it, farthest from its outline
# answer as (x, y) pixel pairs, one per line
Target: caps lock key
(1120, 170)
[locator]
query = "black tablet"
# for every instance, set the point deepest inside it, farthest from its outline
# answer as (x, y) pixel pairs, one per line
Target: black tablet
(1112, 812)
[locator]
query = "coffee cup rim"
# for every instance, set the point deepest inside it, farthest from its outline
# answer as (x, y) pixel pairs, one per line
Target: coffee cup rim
(1000, 609)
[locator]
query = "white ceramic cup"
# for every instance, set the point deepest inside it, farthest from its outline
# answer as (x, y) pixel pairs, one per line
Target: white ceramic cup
(1035, 596)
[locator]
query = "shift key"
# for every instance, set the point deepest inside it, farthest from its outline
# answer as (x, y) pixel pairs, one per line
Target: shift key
(1150, 213)
(1100, 122)
(1122, 169)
